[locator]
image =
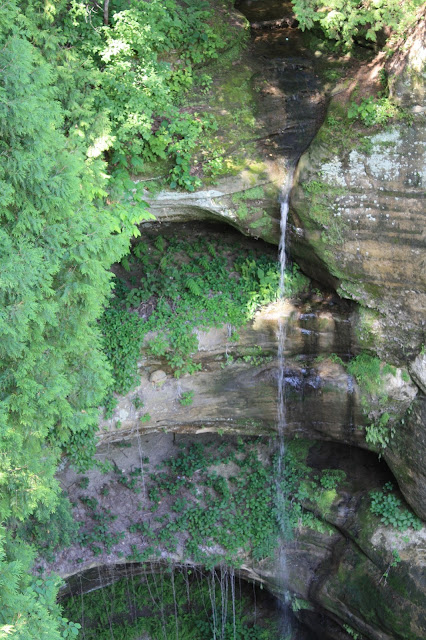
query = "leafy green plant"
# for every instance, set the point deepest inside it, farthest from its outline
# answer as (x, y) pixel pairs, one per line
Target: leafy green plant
(368, 372)
(381, 432)
(373, 112)
(83, 483)
(392, 513)
(137, 402)
(331, 478)
(189, 287)
(351, 632)
(122, 337)
(346, 22)
(96, 533)
(394, 562)
(186, 398)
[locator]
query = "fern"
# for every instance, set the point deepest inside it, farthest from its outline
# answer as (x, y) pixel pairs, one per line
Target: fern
(160, 244)
(195, 286)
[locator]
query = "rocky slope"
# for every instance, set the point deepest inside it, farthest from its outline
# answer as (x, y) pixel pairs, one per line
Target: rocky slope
(358, 204)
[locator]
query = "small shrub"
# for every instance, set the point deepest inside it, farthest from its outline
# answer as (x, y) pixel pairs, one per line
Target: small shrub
(187, 398)
(391, 510)
(373, 112)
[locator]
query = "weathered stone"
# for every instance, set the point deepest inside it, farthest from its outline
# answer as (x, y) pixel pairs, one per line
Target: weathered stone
(158, 376)
(365, 226)
(345, 575)
(358, 204)
(417, 370)
(406, 456)
(322, 398)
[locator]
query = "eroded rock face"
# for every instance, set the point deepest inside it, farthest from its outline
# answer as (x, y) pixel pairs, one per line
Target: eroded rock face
(286, 101)
(235, 392)
(406, 456)
(418, 371)
(358, 209)
(236, 389)
(344, 576)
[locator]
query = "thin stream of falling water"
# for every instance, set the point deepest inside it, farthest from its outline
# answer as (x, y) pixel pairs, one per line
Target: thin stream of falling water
(281, 334)
(281, 408)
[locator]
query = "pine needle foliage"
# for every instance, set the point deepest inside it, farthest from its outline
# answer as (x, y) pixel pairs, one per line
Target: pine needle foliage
(57, 243)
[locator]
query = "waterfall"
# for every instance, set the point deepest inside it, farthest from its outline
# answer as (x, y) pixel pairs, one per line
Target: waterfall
(281, 405)
(281, 334)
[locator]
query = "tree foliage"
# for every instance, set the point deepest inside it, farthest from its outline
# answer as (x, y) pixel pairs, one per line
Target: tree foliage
(82, 107)
(141, 65)
(57, 243)
(346, 20)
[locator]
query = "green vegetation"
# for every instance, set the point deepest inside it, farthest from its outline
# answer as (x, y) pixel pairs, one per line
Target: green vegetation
(231, 148)
(380, 432)
(214, 518)
(83, 105)
(377, 111)
(141, 64)
(346, 22)
(351, 632)
(369, 372)
(185, 285)
(392, 513)
(394, 562)
(372, 112)
(173, 602)
(187, 398)
(58, 240)
(48, 531)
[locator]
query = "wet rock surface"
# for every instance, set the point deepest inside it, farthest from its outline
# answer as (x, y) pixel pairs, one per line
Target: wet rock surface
(343, 576)
(288, 103)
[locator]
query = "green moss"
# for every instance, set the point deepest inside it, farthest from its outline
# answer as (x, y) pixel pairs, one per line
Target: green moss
(405, 376)
(264, 223)
(322, 210)
(359, 583)
(299, 448)
(338, 133)
(229, 148)
(365, 329)
(325, 500)
(255, 193)
(242, 211)
(367, 370)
